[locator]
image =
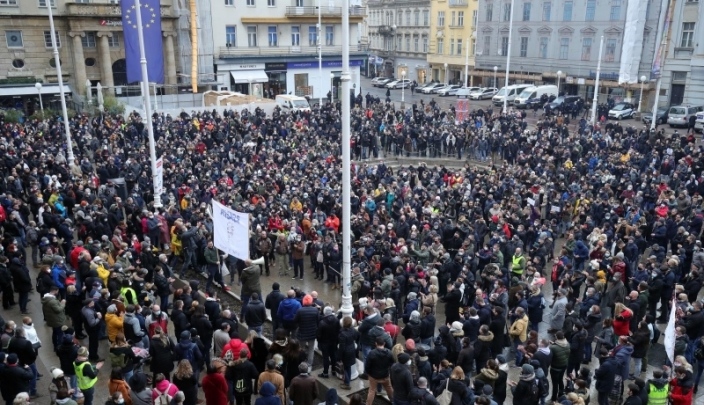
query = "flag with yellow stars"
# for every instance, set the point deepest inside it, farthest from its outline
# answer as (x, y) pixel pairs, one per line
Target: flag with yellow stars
(150, 13)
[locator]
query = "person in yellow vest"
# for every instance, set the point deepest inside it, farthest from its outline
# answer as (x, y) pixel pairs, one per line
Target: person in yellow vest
(86, 375)
(658, 389)
(518, 263)
(128, 294)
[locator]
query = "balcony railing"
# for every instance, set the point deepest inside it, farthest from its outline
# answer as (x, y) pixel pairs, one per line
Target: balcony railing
(103, 10)
(228, 52)
(458, 3)
(324, 11)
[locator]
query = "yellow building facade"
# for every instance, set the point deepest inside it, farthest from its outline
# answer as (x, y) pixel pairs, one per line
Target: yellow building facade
(452, 36)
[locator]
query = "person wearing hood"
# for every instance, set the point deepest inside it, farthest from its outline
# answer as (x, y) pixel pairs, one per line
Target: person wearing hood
(140, 393)
(412, 328)
(560, 350)
(658, 389)
(328, 333)
(187, 349)
(489, 374)
(240, 375)
(287, 311)
(267, 395)
(54, 315)
(330, 397)
(528, 387)
(681, 387)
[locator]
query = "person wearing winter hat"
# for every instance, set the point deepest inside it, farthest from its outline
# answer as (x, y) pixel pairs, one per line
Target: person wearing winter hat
(401, 379)
(527, 387)
(330, 397)
(267, 395)
(87, 375)
(15, 378)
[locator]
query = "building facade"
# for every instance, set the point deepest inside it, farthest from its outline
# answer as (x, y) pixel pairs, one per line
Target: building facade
(399, 33)
(91, 46)
(453, 43)
(564, 36)
(683, 72)
(271, 46)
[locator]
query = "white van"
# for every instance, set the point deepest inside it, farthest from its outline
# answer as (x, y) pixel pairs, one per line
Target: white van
(533, 94)
(292, 103)
(678, 116)
(510, 93)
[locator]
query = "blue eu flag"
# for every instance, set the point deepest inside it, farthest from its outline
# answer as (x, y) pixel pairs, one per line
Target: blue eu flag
(153, 49)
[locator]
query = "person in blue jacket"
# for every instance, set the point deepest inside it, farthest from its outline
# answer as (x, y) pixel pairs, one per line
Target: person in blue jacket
(287, 311)
(267, 395)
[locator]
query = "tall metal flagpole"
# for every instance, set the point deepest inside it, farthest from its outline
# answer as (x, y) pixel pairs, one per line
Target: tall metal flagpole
(466, 65)
(508, 54)
(320, 51)
(346, 78)
(57, 61)
(147, 103)
(595, 100)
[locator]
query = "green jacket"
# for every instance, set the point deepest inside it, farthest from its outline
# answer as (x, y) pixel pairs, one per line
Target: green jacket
(211, 256)
(560, 354)
(53, 310)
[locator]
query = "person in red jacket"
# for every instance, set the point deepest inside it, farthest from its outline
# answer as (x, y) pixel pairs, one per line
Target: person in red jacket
(622, 319)
(333, 222)
(682, 387)
(214, 384)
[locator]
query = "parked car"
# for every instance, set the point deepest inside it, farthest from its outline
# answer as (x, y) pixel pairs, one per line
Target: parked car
(621, 111)
(448, 90)
(433, 86)
(466, 91)
(381, 82)
(699, 123)
(563, 101)
(484, 93)
(398, 84)
(647, 118)
(678, 116)
(420, 88)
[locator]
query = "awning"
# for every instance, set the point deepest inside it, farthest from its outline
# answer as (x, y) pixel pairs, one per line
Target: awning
(247, 76)
(31, 90)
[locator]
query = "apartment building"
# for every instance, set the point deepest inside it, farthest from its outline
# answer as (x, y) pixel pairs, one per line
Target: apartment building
(272, 46)
(564, 36)
(683, 72)
(91, 46)
(452, 28)
(399, 35)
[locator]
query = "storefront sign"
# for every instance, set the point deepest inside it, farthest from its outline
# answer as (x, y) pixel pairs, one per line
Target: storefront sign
(111, 23)
(248, 66)
(312, 64)
(275, 66)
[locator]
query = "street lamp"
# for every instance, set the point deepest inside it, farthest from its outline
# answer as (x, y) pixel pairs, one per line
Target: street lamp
(332, 87)
(446, 81)
(393, 47)
(559, 74)
(38, 86)
(403, 89)
(496, 68)
(640, 99)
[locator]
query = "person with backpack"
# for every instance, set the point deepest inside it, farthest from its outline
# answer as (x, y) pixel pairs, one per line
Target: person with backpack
(421, 395)
(186, 349)
(163, 391)
(528, 388)
(241, 375)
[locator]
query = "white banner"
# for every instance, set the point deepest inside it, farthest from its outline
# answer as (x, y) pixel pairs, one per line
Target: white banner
(670, 334)
(159, 177)
(231, 229)
(632, 48)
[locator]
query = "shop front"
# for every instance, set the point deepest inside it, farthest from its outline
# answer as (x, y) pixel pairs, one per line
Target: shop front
(247, 78)
(303, 78)
(277, 78)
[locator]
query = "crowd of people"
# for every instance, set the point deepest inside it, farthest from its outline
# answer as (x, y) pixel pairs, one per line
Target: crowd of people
(596, 228)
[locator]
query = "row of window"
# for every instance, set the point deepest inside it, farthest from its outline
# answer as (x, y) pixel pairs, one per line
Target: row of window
(611, 45)
(455, 47)
(547, 15)
(420, 44)
(273, 35)
(15, 39)
(387, 18)
(456, 18)
(270, 3)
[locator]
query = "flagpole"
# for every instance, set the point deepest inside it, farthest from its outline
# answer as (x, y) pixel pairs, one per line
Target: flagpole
(147, 102)
(57, 62)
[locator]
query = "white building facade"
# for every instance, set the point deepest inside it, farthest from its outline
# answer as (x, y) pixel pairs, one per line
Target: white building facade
(274, 43)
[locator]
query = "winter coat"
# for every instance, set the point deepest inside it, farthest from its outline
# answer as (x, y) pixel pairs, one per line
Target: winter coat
(242, 369)
(250, 281)
(255, 315)
(267, 395)
(328, 331)
(519, 329)
(560, 354)
(483, 350)
(277, 380)
(378, 363)
(558, 313)
(401, 381)
(605, 374)
(162, 356)
(347, 346)
(307, 319)
(303, 390)
(53, 311)
(189, 386)
(682, 391)
(623, 357)
(215, 389)
(640, 339)
(287, 309)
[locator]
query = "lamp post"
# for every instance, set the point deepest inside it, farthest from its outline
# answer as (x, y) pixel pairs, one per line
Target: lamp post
(640, 98)
(496, 69)
(393, 47)
(446, 81)
(57, 62)
(466, 64)
(508, 54)
(403, 89)
(346, 77)
(38, 86)
(320, 52)
(332, 87)
(559, 74)
(595, 99)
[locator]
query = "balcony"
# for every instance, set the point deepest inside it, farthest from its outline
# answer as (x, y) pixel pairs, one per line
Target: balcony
(458, 3)
(309, 11)
(230, 52)
(386, 30)
(103, 10)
